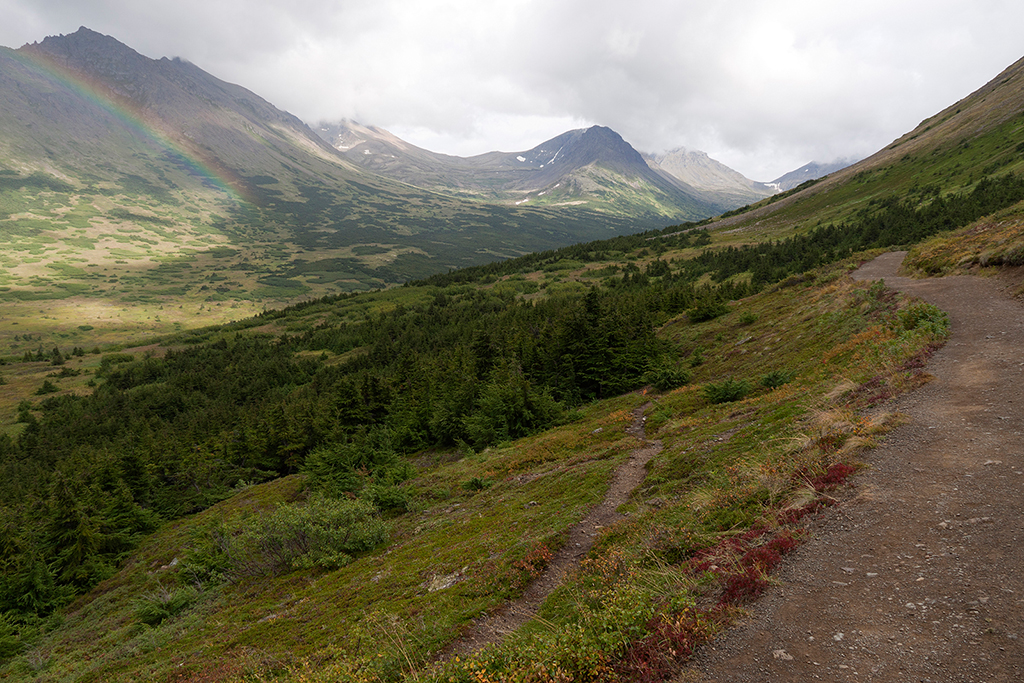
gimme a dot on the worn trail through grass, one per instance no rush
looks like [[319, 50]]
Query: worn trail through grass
[[495, 626], [917, 577]]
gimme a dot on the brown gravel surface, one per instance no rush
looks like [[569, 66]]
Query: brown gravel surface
[[919, 574], [494, 626]]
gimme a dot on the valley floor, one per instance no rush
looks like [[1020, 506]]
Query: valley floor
[[917, 576]]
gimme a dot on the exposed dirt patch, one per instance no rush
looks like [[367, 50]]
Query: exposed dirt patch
[[493, 627], [918, 576]]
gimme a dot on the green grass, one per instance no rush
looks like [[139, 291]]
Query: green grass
[[727, 469], [724, 467]]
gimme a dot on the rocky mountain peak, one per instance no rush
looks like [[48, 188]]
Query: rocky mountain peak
[[88, 48]]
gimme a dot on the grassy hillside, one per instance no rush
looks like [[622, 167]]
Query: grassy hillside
[[970, 140], [335, 490], [486, 520], [147, 195]]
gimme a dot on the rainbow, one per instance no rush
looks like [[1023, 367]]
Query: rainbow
[[184, 155]]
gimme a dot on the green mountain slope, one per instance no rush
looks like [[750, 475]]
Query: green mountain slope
[[334, 491], [977, 137], [145, 182]]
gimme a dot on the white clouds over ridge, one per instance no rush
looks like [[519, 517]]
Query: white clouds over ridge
[[763, 87]]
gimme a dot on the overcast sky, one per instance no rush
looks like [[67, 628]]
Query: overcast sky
[[762, 86]]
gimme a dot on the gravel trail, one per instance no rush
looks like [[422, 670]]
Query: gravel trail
[[919, 576]]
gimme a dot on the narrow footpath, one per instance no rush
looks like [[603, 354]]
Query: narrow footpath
[[493, 627], [920, 576]]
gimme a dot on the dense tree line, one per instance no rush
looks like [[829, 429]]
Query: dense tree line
[[884, 223], [164, 437], [678, 236]]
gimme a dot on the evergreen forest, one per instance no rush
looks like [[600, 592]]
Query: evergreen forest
[[469, 366]]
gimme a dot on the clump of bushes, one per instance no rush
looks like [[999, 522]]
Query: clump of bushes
[[10, 640], [476, 484], [510, 406], [727, 390], [154, 608], [112, 359], [925, 317], [777, 378], [666, 377], [323, 533], [47, 387], [366, 461], [707, 308], [388, 498]]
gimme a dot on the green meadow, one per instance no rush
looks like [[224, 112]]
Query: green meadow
[[270, 442]]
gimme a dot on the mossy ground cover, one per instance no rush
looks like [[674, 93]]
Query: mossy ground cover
[[534, 490], [712, 519]]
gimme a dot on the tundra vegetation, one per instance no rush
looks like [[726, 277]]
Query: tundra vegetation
[[333, 490], [385, 523]]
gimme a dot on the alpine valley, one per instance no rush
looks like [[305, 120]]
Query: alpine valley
[[606, 397], [146, 183]]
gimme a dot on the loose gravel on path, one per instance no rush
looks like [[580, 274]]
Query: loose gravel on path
[[919, 576]]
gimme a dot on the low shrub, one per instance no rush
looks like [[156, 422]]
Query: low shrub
[[388, 497], [114, 359], [777, 378], [47, 387], [10, 640], [726, 391], [926, 317], [342, 468], [323, 532], [666, 378], [154, 608], [476, 484], [706, 309]]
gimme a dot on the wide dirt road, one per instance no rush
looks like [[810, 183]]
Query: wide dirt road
[[920, 577]]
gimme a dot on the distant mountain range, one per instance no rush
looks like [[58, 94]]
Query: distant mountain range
[[587, 166], [811, 171], [98, 142], [593, 167], [711, 177]]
